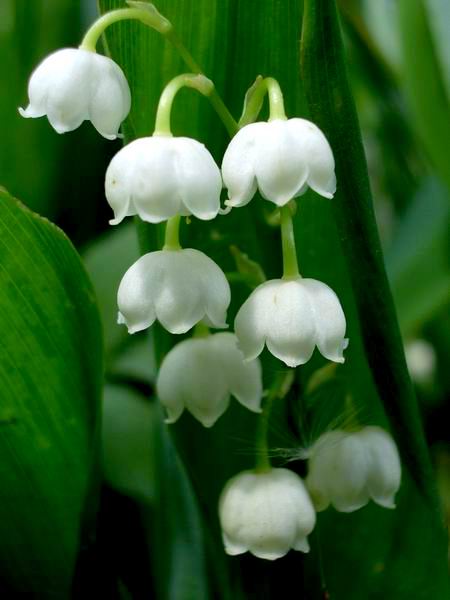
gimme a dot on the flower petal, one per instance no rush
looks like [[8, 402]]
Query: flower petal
[[233, 548], [213, 286], [319, 156], [190, 376], [136, 290], [178, 300], [110, 99], [238, 165], [301, 544], [329, 319], [141, 174], [244, 379], [384, 475], [251, 324], [338, 469], [290, 327], [280, 163], [68, 75], [199, 180]]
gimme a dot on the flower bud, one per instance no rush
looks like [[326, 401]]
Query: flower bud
[[347, 469], [291, 317], [421, 360], [266, 514], [159, 177], [281, 158], [201, 374], [177, 287], [74, 85]]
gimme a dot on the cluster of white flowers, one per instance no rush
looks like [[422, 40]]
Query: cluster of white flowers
[[162, 178], [271, 512]]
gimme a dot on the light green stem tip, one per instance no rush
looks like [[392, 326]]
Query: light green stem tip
[[141, 11], [280, 387], [195, 81], [290, 264], [254, 100], [172, 237]]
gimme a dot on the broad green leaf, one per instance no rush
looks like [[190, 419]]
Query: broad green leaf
[[427, 96], [106, 261], [332, 107], [438, 14], [129, 426], [417, 260], [140, 460], [51, 372], [382, 20], [31, 155]]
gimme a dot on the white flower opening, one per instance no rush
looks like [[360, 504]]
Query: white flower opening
[[75, 85], [281, 158], [266, 514], [177, 287], [292, 317], [200, 374], [347, 469], [160, 177]]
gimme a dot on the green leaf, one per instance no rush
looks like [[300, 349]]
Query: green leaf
[[31, 146], [106, 261], [140, 460], [332, 107], [51, 372], [438, 14], [417, 263], [424, 86]]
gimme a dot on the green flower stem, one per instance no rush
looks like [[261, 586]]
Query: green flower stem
[[216, 101], [172, 237], [255, 97], [262, 439], [290, 264], [201, 330], [148, 16], [192, 80], [276, 102], [279, 389]]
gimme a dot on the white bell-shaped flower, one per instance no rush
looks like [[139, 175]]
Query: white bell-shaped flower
[[74, 85], [177, 287], [281, 158], [159, 177], [266, 514], [200, 374], [292, 316], [347, 469]]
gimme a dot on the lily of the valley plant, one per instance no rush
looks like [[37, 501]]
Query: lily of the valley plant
[[160, 179]]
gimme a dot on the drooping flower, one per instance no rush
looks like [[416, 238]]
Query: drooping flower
[[421, 360], [347, 469], [292, 316], [200, 374], [177, 287], [74, 85], [266, 514], [159, 177], [281, 158]]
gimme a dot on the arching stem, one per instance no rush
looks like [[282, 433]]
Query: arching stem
[[172, 237], [290, 264]]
